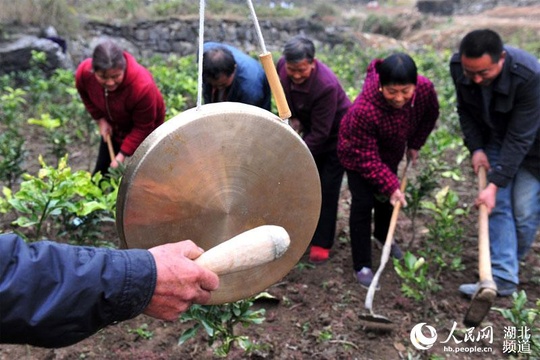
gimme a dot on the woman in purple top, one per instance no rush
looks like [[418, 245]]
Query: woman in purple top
[[395, 112], [317, 102]]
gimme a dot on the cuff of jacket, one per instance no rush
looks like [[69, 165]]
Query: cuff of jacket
[[388, 187], [139, 284], [498, 177]]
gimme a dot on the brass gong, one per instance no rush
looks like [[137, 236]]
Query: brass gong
[[213, 172]]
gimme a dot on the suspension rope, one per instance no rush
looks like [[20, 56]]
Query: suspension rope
[[201, 50], [257, 26], [271, 74], [202, 5], [265, 57]]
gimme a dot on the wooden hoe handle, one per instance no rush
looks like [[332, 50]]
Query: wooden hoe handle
[[484, 258], [387, 243], [110, 146], [275, 85], [397, 207], [486, 293], [249, 249]]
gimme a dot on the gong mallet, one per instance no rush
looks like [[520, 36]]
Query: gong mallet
[[486, 293], [249, 249]]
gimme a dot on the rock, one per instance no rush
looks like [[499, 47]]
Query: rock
[[437, 7], [17, 55]]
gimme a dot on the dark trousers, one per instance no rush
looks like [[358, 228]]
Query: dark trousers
[[103, 161], [364, 202], [331, 176]]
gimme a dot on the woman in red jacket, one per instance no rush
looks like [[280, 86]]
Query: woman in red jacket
[[121, 95], [394, 114]]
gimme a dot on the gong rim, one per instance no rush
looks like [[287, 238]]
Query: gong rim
[[213, 172]]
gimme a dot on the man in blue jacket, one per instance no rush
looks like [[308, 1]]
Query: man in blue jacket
[[498, 95], [54, 295], [231, 75]]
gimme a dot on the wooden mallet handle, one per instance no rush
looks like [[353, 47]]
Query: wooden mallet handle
[[249, 249]]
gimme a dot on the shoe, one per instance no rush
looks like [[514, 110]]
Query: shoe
[[395, 252], [318, 255], [504, 288], [365, 277]]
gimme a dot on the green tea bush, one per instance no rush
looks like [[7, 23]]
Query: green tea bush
[[12, 143], [219, 322], [443, 244], [176, 78], [416, 282], [48, 203], [11, 106], [11, 156], [526, 323]]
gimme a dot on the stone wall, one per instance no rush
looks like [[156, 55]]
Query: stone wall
[[180, 35], [466, 7]]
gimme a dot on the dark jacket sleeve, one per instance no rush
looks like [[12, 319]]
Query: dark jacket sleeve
[[471, 125], [54, 295]]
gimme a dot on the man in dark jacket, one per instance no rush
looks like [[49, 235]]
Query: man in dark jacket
[[498, 94], [231, 75], [317, 102], [54, 295]]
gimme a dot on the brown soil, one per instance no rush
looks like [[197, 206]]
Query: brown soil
[[315, 300], [445, 32]]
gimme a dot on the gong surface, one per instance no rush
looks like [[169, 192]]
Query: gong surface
[[211, 173]]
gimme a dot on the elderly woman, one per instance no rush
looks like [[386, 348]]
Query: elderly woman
[[395, 112], [317, 102], [121, 95]]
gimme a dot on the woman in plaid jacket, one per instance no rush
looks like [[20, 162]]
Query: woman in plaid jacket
[[395, 112]]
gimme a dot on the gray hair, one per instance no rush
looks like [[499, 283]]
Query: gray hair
[[299, 48]]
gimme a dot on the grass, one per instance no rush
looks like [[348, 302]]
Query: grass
[[64, 14]]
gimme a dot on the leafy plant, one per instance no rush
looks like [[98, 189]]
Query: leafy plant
[[86, 228], [443, 242], [304, 265], [414, 272], [219, 322], [58, 140], [11, 102], [177, 80], [56, 193], [11, 156], [57, 104], [443, 144], [142, 332], [417, 190], [325, 334], [525, 320]]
